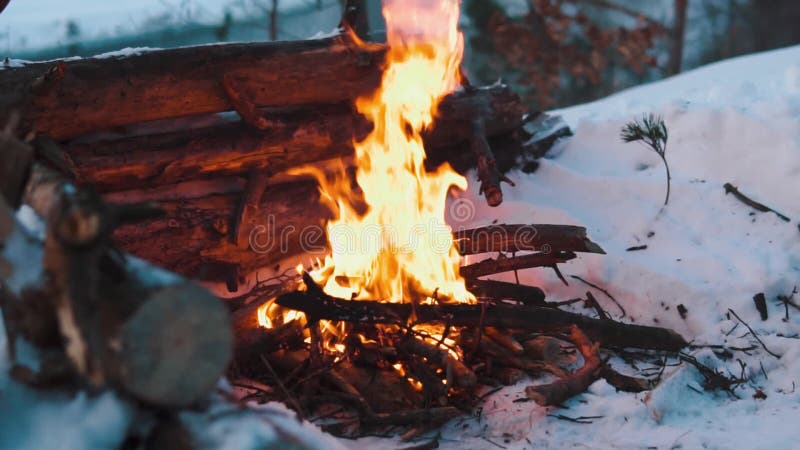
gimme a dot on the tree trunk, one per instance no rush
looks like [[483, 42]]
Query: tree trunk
[[677, 37]]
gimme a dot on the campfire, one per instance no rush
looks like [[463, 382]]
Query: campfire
[[387, 329]]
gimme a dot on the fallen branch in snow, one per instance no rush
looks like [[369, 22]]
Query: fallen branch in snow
[[731, 189], [607, 294], [755, 335], [577, 382], [713, 379], [625, 383]]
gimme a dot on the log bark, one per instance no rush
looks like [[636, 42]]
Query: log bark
[[318, 305], [192, 237], [501, 290], [122, 323], [514, 238], [507, 264], [304, 136], [109, 92]]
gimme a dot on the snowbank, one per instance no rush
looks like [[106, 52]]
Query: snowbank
[[736, 121]]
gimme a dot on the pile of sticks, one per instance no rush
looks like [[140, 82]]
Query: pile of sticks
[[407, 368]]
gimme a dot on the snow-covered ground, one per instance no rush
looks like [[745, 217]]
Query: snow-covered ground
[[736, 121]]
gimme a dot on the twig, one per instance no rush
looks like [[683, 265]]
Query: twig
[[289, 397], [755, 335], [559, 274], [731, 189], [581, 419], [607, 294], [492, 442], [714, 380], [592, 301]]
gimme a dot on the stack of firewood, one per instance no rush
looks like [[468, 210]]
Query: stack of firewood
[[156, 126]]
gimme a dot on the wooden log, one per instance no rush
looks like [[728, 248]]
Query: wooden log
[[318, 305], [543, 348], [514, 238], [507, 264], [14, 170], [305, 136], [104, 93], [122, 323], [192, 237], [501, 290], [577, 382], [461, 374]]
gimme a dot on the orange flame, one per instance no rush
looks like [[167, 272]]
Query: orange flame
[[396, 246]]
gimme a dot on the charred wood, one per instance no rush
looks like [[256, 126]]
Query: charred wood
[[531, 318]]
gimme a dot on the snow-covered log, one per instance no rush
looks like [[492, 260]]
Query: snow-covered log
[[99, 316]]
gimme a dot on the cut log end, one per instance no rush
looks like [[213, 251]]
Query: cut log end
[[175, 346]]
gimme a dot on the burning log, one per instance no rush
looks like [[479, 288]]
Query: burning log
[[317, 305], [195, 236], [162, 340], [461, 374], [304, 136]]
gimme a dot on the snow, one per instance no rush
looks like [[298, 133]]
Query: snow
[[32, 25], [735, 121]]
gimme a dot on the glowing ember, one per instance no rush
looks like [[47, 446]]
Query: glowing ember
[[398, 247]]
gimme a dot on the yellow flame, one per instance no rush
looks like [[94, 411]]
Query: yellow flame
[[389, 240]]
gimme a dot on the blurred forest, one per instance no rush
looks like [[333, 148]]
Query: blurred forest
[[555, 52]]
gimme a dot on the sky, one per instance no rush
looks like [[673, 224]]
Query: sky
[[34, 24]]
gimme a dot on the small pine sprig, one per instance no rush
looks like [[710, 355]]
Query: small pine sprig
[[651, 131]]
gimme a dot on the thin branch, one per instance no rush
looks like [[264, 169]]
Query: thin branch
[[755, 335]]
